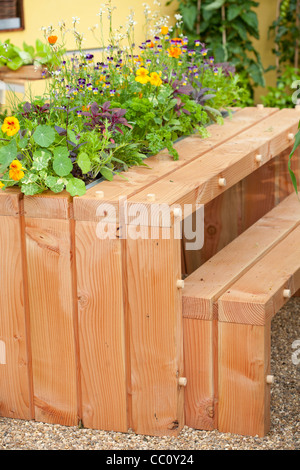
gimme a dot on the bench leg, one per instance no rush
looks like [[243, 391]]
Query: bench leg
[[199, 363], [244, 363]]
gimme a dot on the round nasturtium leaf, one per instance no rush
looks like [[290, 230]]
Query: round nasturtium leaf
[[76, 187], [44, 135], [62, 165]]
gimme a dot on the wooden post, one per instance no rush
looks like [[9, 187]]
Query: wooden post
[[244, 363], [16, 395], [156, 344], [50, 271], [101, 328]]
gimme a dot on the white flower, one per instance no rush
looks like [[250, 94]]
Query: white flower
[[178, 17]]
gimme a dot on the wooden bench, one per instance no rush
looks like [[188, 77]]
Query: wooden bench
[[228, 305]]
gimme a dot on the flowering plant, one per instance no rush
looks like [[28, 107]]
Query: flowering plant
[[102, 115]]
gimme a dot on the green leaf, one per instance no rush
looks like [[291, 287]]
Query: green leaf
[[31, 189], [8, 153], [41, 159], [214, 5], [62, 165], [61, 151], [292, 174], [250, 19], [76, 187], [189, 14], [233, 11], [107, 173], [84, 162], [23, 143], [15, 63], [44, 135], [55, 184]]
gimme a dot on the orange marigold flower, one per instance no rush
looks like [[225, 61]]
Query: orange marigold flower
[[52, 40], [16, 172], [175, 52], [164, 30], [10, 125], [155, 79]]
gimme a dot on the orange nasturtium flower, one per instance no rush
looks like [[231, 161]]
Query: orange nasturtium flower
[[142, 75], [52, 40], [10, 126], [164, 30], [16, 172], [174, 52]]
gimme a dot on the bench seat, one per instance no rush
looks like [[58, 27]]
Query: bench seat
[[228, 305]]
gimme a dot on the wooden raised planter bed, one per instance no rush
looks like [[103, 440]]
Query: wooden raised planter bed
[[92, 329]]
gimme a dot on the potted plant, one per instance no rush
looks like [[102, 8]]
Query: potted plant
[[28, 62]]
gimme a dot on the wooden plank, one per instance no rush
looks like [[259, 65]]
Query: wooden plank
[[258, 295], [154, 306], [204, 286], [49, 205], [244, 363], [199, 370], [101, 330], [51, 302], [233, 161], [16, 399], [162, 165], [15, 392]]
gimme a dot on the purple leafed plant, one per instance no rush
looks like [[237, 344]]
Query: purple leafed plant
[[99, 115]]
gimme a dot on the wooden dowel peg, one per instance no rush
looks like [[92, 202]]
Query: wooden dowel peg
[[291, 136], [260, 106], [270, 379], [180, 284], [100, 194], [222, 182], [151, 197], [182, 381], [287, 293], [258, 158], [177, 212]]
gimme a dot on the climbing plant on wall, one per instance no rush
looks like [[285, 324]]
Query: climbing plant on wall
[[228, 28], [285, 32]]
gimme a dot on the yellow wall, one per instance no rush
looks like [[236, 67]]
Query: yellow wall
[[40, 13], [266, 12]]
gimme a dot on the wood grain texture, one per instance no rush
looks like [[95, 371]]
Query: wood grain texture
[[244, 363], [204, 286], [15, 364], [156, 344], [258, 295], [50, 291], [200, 391], [101, 330]]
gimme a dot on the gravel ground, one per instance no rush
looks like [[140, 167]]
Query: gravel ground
[[285, 427]]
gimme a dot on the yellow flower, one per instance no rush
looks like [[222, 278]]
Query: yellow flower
[[164, 30], [10, 125], [15, 172], [142, 75], [1, 185], [155, 79]]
